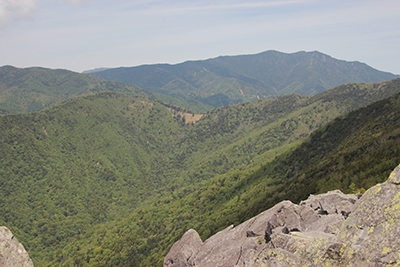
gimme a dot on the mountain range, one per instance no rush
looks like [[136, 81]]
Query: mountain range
[[114, 179], [97, 172], [234, 79]]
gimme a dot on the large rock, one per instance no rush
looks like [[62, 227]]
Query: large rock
[[12, 253], [329, 229], [372, 233], [182, 251]]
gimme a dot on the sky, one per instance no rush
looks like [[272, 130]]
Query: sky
[[81, 35]]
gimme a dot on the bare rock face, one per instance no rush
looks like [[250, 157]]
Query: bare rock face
[[182, 251], [372, 233], [332, 229], [12, 253]]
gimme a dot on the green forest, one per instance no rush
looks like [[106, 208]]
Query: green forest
[[114, 179]]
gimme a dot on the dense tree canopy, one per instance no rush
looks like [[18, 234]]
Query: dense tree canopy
[[115, 179]]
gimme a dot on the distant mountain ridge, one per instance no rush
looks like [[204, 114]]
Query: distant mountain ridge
[[32, 89], [94, 70], [234, 79]]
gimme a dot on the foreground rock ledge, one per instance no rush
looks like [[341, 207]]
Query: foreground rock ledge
[[332, 229], [12, 253]]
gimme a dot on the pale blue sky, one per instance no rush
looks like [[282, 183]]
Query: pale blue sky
[[85, 34]]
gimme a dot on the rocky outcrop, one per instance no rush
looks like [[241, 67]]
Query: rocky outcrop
[[332, 229], [12, 253], [184, 249]]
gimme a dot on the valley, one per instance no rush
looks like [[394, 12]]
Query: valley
[[95, 172], [109, 174]]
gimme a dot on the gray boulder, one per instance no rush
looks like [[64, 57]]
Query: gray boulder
[[182, 251], [371, 232], [332, 229], [240, 245], [12, 253]]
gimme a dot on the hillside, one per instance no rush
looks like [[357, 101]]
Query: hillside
[[234, 79], [239, 195], [115, 178], [353, 152], [250, 188], [32, 89]]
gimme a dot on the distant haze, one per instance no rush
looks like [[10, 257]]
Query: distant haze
[[80, 34]]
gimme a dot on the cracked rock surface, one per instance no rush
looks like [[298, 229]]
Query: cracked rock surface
[[12, 253], [329, 229]]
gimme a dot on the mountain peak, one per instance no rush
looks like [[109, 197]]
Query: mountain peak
[[234, 79]]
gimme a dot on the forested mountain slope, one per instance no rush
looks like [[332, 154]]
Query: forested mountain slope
[[32, 89], [234, 79], [229, 136], [82, 162], [114, 179], [351, 153]]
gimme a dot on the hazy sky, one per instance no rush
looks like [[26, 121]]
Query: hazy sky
[[80, 35]]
